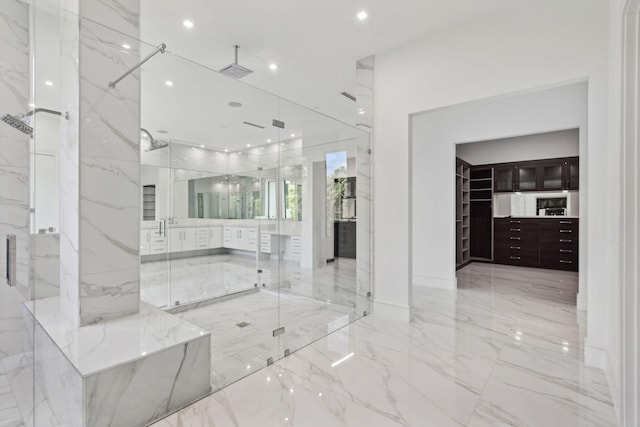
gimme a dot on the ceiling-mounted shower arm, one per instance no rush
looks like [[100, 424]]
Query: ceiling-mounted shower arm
[[236, 47], [161, 48]]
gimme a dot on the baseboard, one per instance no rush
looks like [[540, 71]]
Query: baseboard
[[435, 282], [614, 386], [581, 301], [595, 356], [389, 310]]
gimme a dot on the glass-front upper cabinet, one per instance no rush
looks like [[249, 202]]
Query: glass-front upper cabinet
[[552, 177], [572, 173], [504, 179], [527, 178]]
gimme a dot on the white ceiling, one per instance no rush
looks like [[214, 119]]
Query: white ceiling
[[314, 43]]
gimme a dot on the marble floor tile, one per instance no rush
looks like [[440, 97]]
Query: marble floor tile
[[504, 350]]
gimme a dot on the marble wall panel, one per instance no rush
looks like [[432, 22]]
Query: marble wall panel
[[44, 276]]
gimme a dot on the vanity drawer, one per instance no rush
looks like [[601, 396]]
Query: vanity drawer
[[296, 245]]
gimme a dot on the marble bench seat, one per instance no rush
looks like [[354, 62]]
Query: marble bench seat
[[124, 372]]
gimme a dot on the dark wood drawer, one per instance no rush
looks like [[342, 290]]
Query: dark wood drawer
[[516, 224], [511, 258], [559, 262]]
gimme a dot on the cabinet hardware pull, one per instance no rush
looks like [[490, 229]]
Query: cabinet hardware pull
[[514, 257], [566, 222], [515, 222], [565, 231], [514, 238], [514, 247], [565, 240], [566, 250], [514, 229], [564, 261]]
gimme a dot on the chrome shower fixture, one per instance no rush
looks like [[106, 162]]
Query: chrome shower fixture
[[21, 121], [18, 124], [236, 70], [160, 49], [154, 144]]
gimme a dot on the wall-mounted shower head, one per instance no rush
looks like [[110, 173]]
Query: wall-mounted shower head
[[21, 121], [18, 124], [154, 144], [236, 70]]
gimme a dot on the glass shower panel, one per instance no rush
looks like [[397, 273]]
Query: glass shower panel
[[321, 161], [216, 131]]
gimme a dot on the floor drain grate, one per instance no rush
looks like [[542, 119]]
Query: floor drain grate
[[242, 324]]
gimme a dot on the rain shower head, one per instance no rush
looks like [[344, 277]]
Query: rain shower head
[[154, 144], [21, 121], [236, 70], [18, 124]]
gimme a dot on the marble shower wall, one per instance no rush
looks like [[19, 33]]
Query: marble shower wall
[[14, 169], [101, 154]]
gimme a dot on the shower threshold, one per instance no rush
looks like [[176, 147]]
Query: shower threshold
[[204, 302]]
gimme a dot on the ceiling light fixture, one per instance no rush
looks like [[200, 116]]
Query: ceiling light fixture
[[362, 15], [126, 46], [293, 135], [187, 24], [48, 83], [268, 140], [273, 66], [248, 145], [169, 83], [201, 145], [226, 150], [361, 112]]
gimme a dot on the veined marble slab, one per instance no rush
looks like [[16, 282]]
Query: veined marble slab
[[125, 372], [94, 348]]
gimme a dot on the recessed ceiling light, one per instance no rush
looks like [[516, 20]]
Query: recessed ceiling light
[[248, 145], [169, 83], [361, 112], [226, 150], [201, 145], [126, 46], [32, 105], [48, 83], [235, 104], [262, 148], [282, 143], [187, 23], [268, 140], [293, 135], [193, 148], [273, 66], [362, 15]]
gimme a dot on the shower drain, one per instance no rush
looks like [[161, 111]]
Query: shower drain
[[242, 324]]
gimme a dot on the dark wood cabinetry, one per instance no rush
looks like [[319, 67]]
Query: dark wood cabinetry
[[546, 242], [344, 243], [559, 244], [481, 212], [539, 175]]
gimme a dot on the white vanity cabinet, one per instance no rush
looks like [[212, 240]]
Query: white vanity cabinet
[[152, 242], [271, 243], [242, 238], [208, 237], [182, 239]]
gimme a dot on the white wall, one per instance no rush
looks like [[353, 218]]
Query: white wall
[[546, 145], [516, 48], [433, 138]]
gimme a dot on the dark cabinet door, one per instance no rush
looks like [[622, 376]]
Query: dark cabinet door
[[553, 177], [504, 179], [527, 178], [572, 175], [481, 221]]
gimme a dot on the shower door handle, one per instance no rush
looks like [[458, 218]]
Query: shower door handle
[[11, 259]]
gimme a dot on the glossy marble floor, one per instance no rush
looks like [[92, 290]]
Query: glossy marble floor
[[506, 350], [242, 329], [191, 279]]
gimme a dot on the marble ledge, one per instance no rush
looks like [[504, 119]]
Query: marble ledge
[[98, 347]]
